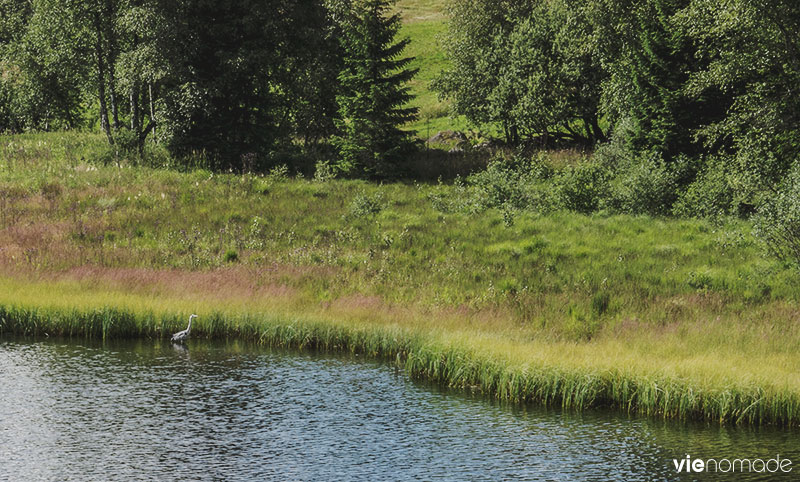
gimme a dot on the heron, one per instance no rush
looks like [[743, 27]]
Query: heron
[[182, 336]]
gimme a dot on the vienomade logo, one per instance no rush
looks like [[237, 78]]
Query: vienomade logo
[[727, 465]]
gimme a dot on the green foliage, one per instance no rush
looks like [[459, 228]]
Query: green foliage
[[645, 187], [503, 183], [676, 79], [750, 49], [324, 172], [279, 173], [231, 256], [373, 97], [777, 223], [529, 67], [713, 193], [583, 187], [650, 59], [364, 204], [231, 81], [508, 184], [41, 74]]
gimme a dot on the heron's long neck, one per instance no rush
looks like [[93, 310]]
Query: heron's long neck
[[190, 325]]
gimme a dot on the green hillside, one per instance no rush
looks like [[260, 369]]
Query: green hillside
[[424, 22]]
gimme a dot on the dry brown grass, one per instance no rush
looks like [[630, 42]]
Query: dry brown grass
[[421, 10], [220, 284]]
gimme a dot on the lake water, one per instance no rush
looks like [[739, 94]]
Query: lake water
[[229, 411]]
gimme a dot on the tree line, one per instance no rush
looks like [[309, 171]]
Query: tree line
[[702, 91], [705, 89], [237, 82]]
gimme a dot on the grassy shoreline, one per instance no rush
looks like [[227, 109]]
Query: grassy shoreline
[[499, 364]]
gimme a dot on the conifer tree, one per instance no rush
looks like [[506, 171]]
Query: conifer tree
[[373, 97]]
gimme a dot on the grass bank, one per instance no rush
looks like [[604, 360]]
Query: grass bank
[[446, 349], [671, 317]]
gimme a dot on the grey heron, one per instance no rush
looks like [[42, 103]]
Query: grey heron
[[182, 336]]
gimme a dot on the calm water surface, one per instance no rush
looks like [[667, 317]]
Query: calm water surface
[[146, 411]]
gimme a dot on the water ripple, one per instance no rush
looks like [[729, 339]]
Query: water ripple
[[145, 411]]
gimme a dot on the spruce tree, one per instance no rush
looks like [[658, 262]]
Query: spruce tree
[[373, 97]]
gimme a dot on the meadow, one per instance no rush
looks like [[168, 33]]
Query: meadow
[[676, 317]]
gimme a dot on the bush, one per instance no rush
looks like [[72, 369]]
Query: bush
[[733, 184], [460, 198], [231, 256], [365, 205], [710, 195], [512, 184], [581, 188], [500, 184], [324, 172], [279, 173], [777, 223], [615, 154], [647, 187]]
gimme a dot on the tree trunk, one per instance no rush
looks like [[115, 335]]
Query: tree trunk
[[599, 135], [143, 137], [152, 110], [511, 132], [134, 98], [112, 62], [101, 80], [113, 96]]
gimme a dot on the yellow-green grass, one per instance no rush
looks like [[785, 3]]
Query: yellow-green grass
[[677, 317], [683, 379]]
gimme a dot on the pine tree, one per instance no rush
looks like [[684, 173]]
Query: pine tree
[[374, 96]]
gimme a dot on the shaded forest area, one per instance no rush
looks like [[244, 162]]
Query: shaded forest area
[[236, 84]]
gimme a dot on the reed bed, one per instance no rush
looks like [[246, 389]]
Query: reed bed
[[459, 360]]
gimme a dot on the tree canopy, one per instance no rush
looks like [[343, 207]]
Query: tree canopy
[[235, 82]]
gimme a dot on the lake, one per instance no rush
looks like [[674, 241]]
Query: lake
[[146, 410]]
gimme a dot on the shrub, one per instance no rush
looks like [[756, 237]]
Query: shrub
[[279, 173], [500, 184], [460, 198], [616, 153], [700, 281], [324, 172], [231, 256], [512, 184], [365, 205], [647, 187], [582, 187], [777, 223], [713, 192]]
